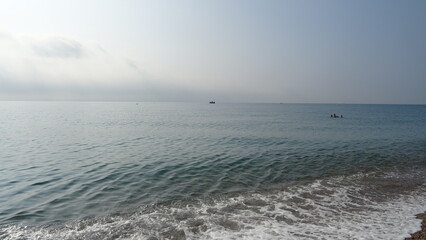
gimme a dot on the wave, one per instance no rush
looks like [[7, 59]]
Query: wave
[[372, 205]]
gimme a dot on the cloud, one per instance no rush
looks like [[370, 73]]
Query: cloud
[[59, 48], [58, 64], [131, 64], [63, 68], [5, 36]]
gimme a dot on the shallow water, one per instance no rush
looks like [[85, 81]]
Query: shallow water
[[76, 170]]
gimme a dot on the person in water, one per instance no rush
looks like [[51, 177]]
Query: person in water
[[336, 116]]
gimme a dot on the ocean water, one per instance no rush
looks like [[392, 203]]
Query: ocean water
[[101, 170]]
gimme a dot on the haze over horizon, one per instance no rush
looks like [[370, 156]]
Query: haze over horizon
[[229, 51]]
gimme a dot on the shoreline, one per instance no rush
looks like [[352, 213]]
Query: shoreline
[[421, 234]]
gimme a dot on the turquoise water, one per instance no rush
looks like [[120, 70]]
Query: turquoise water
[[201, 171]]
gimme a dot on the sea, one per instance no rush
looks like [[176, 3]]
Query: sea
[[145, 170]]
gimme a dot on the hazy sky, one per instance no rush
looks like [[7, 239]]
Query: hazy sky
[[230, 51]]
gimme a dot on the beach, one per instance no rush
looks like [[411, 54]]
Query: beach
[[420, 235]]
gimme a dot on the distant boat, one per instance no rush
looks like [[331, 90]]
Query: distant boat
[[212, 102]]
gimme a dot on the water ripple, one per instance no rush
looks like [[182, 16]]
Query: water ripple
[[61, 163]]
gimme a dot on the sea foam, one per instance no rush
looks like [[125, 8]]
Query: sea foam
[[331, 208]]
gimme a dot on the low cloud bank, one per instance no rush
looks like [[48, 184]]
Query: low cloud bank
[[64, 68]]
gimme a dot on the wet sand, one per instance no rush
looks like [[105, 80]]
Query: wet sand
[[420, 235]]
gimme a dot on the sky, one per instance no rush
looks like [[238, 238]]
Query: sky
[[304, 51]]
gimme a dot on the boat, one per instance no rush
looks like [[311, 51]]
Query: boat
[[212, 102]]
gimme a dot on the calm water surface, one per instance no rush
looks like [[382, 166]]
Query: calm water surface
[[94, 170]]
